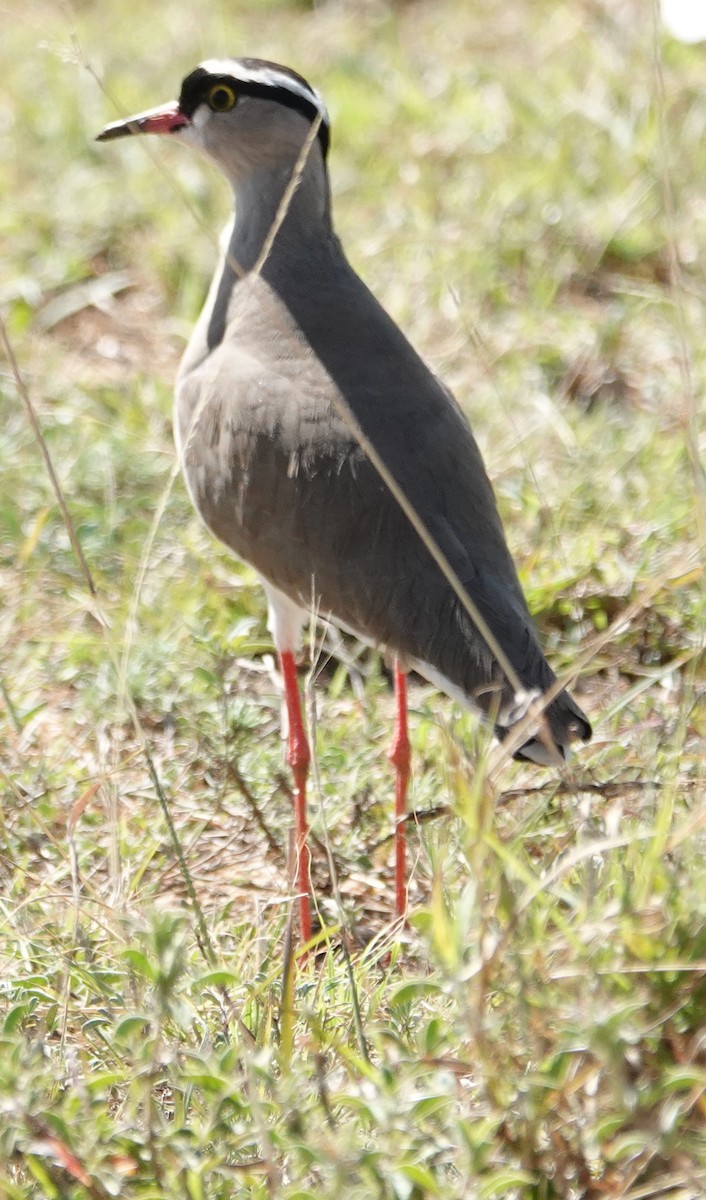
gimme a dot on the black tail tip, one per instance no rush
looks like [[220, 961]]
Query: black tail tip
[[554, 748]]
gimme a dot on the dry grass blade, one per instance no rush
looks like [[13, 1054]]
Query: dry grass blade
[[202, 931], [26, 399], [676, 282]]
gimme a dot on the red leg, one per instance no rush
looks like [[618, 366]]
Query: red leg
[[298, 757], [400, 759]]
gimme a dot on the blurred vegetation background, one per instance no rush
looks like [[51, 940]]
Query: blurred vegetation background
[[522, 184]]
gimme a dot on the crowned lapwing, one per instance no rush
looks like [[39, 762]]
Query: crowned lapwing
[[320, 448]]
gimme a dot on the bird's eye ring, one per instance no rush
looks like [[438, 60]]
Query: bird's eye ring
[[221, 98]]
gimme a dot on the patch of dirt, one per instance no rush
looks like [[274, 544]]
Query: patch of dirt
[[128, 334]]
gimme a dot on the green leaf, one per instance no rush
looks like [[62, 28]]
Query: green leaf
[[428, 1107], [43, 1177], [420, 1176], [414, 989], [218, 978], [500, 1182], [137, 1023], [15, 1017]]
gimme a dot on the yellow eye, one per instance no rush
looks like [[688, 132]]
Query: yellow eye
[[221, 98]]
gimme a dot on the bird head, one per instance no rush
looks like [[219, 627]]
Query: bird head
[[244, 113]]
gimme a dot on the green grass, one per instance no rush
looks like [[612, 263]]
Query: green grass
[[523, 187]]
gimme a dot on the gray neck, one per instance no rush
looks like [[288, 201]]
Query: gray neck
[[257, 200], [304, 227]]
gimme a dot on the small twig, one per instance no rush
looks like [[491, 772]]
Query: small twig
[[287, 1011], [609, 791], [234, 775], [24, 395], [201, 931], [172, 180], [12, 711], [322, 1087]]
